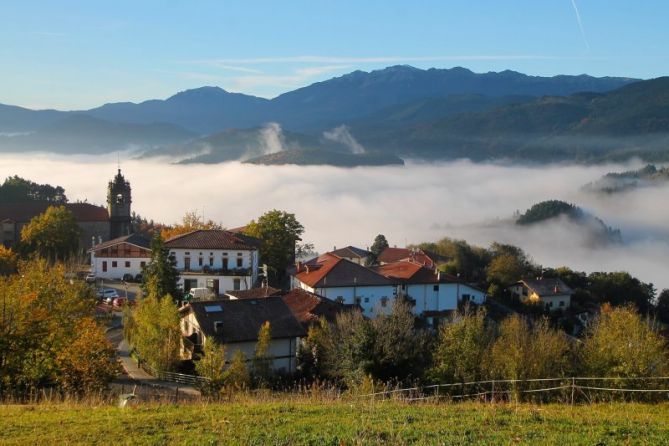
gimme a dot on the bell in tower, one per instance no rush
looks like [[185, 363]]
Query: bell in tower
[[118, 206]]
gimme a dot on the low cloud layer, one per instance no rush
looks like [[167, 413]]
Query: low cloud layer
[[410, 204]]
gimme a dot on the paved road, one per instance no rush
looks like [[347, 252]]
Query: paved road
[[138, 375]]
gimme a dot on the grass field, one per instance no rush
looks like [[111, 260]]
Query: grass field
[[335, 423]]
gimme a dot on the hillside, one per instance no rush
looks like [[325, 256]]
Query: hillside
[[614, 182], [321, 105], [78, 133], [310, 157], [559, 211], [633, 120], [242, 144], [318, 422]]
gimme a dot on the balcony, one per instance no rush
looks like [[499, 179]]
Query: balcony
[[209, 271]]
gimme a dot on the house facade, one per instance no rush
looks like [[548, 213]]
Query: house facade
[[432, 293], [123, 255], [236, 323], [216, 259], [553, 294], [375, 288], [346, 282]]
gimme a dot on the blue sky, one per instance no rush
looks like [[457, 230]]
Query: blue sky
[[80, 54]]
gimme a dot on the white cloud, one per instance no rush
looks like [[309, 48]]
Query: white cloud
[[418, 202]]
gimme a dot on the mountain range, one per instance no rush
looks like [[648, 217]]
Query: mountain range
[[397, 111]]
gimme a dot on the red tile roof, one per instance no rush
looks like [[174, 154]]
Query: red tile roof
[[213, 239], [309, 307], [332, 271], [133, 239], [411, 272], [25, 211]]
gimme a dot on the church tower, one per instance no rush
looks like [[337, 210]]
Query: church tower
[[118, 205]]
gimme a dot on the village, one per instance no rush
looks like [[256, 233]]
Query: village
[[224, 294]]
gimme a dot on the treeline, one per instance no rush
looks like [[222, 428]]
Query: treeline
[[48, 333], [500, 265], [472, 347], [16, 189]]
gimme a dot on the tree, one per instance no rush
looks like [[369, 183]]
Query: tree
[[212, 366], [88, 362], [160, 276], [52, 235], [237, 375], [156, 333], [462, 348], [16, 189], [8, 261], [380, 243], [663, 306], [523, 352], [262, 361], [400, 350], [315, 353], [505, 270], [622, 343], [278, 232], [190, 222], [620, 288], [354, 347], [40, 315]]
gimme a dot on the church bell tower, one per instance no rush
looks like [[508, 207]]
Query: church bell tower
[[118, 206]]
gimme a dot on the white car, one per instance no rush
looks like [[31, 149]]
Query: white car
[[107, 294]]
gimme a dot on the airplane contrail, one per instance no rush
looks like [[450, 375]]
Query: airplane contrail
[[580, 25]]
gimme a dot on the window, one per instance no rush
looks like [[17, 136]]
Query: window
[[366, 300], [339, 299], [237, 284], [384, 301], [104, 266], [114, 264], [225, 263], [127, 263], [357, 300], [524, 291], [562, 303], [211, 261], [186, 263], [239, 254], [435, 288], [240, 262], [142, 264], [199, 261]]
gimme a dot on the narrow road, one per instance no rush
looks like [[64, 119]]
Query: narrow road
[[139, 375]]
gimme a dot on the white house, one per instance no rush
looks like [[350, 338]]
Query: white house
[[216, 259], [236, 323], [346, 282], [123, 255], [355, 255], [554, 294], [434, 294]]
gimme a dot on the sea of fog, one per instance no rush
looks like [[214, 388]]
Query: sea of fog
[[410, 204]]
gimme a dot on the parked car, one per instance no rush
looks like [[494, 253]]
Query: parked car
[[107, 295], [127, 277], [120, 301], [138, 278], [90, 278]]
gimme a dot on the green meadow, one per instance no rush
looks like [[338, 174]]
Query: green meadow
[[335, 423]]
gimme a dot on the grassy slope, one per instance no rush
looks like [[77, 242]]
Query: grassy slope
[[336, 423]]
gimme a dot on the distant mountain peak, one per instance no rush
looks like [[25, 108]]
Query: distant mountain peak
[[206, 91]]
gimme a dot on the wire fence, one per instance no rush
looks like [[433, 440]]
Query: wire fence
[[564, 389]]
